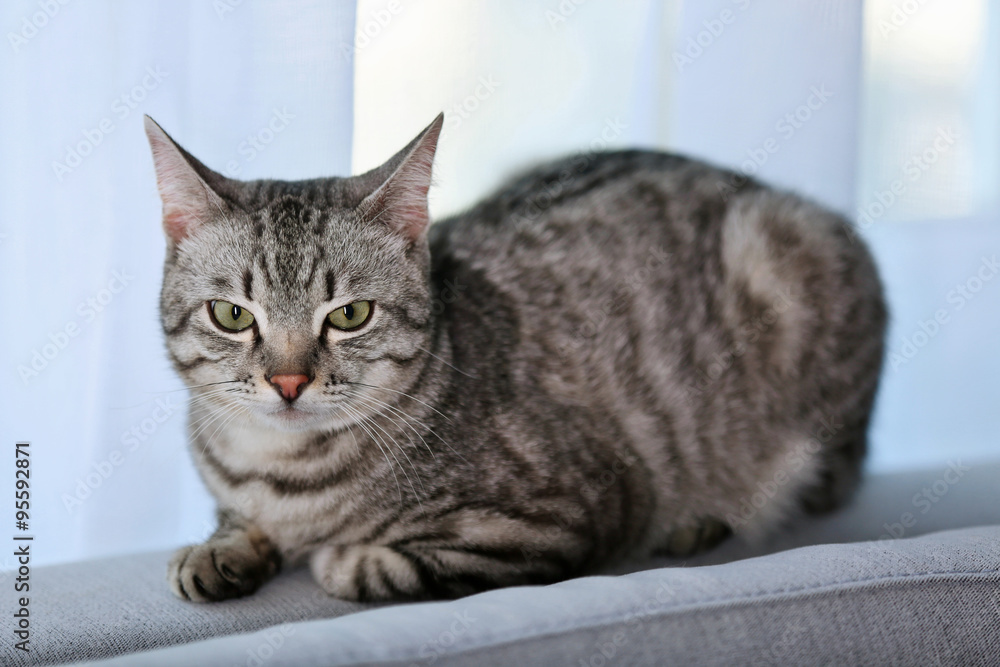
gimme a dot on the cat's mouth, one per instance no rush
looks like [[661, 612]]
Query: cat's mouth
[[290, 416], [292, 413]]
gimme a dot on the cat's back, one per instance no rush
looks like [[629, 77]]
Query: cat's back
[[714, 324], [694, 305], [575, 198], [619, 226]]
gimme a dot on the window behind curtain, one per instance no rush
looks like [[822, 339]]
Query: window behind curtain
[[930, 143]]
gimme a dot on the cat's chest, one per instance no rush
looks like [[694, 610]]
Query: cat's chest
[[295, 522], [295, 501]]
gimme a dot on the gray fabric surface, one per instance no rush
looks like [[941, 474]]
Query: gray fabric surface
[[933, 599], [956, 494], [115, 607], [112, 607]]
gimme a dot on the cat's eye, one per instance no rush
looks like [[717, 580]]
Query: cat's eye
[[230, 316], [351, 316]]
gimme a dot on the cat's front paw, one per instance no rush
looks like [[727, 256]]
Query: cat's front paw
[[222, 568]]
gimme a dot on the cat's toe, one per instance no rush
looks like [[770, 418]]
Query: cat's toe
[[174, 571], [211, 572]]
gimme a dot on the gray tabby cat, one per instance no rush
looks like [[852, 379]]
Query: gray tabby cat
[[616, 355]]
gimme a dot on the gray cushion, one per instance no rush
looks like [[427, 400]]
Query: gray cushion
[[912, 601], [119, 606]]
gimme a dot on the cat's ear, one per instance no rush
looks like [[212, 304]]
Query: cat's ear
[[188, 200], [400, 200]]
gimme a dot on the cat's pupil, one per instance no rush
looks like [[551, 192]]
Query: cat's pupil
[[349, 312], [237, 311]]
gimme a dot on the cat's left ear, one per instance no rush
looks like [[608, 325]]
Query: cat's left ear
[[401, 200]]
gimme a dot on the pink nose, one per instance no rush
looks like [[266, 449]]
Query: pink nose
[[289, 384]]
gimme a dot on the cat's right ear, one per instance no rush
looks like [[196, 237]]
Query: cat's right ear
[[400, 201], [188, 200]]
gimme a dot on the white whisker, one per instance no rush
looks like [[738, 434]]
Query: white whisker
[[364, 419], [360, 423], [402, 450], [402, 393], [447, 364], [374, 401], [399, 411]]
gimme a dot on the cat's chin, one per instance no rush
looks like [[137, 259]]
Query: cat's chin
[[294, 419]]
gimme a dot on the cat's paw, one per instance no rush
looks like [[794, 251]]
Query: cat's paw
[[222, 568], [689, 540]]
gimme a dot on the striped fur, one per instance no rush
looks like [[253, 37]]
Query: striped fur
[[614, 355]]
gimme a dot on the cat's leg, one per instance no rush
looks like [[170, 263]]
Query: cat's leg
[[841, 461], [689, 540], [413, 571], [837, 478], [234, 562]]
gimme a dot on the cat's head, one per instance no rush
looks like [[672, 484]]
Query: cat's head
[[289, 301]]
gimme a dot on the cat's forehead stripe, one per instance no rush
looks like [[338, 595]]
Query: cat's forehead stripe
[[312, 269], [261, 261], [330, 284], [248, 284]]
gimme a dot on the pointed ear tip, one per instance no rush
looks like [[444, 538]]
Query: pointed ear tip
[[433, 131], [153, 129]]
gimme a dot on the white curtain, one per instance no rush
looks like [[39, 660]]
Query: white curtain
[[815, 95], [258, 89], [832, 98]]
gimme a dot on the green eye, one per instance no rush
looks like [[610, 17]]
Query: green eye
[[231, 317], [351, 316]]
